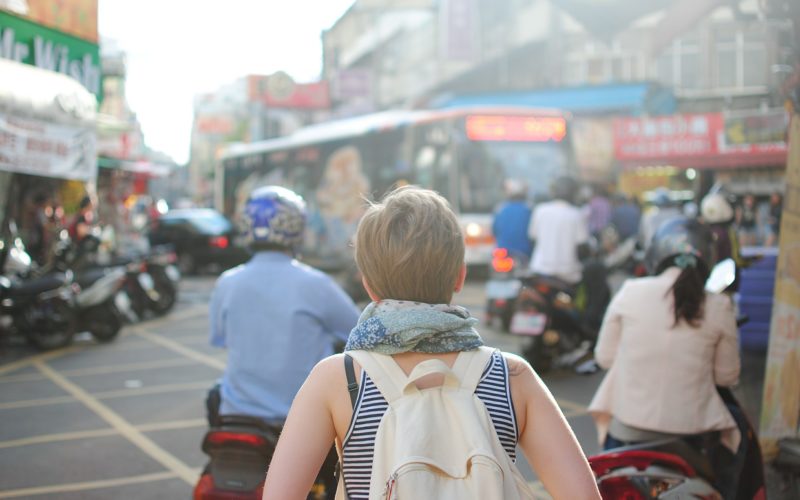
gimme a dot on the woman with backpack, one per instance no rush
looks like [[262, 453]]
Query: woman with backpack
[[417, 406]]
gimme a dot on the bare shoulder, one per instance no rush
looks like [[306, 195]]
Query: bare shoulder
[[517, 365]]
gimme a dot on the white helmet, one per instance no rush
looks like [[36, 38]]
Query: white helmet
[[515, 188], [715, 209]]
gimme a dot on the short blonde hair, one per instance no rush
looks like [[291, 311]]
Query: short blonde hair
[[410, 247]]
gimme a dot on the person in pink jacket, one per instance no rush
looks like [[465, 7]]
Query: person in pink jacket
[[667, 344]]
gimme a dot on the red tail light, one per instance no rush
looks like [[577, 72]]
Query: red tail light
[[219, 242], [619, 488], [205, 490], [501, 262], [639, 459], [221, 437], [172, 257]]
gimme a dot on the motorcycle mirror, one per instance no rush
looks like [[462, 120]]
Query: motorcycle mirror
[[721, 277]]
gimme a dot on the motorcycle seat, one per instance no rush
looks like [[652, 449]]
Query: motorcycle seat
[[90, 276], [676, 446], [39, 285]]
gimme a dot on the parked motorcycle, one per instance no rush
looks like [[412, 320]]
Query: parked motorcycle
[[42, 308], [239, 450], [102, 304], [504, 286], [162, 266]]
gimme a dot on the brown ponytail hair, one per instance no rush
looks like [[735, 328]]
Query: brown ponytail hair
[[688, 290]]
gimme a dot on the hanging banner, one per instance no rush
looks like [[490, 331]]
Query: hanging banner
[[780, 411], [38, 148]]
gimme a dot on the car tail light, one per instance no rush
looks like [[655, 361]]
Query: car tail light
[[219, 242], [206, 490], [501, 262], [222, 437]]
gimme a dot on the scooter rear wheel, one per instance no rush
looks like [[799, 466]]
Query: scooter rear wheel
[[105, 324]]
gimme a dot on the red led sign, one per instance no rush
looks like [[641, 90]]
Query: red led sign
[[516, 128]]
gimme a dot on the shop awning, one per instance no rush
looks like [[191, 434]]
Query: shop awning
[[137, 167], [46, 123], [30, 92], [633, 99]]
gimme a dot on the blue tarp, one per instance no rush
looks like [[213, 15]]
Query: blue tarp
[[634, 99]]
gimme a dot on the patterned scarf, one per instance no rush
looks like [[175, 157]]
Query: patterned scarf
[[395, 326]]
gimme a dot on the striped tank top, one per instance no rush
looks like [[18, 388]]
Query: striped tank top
[[359, 444]]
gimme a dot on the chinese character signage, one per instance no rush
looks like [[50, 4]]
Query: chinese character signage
[[700, 140]]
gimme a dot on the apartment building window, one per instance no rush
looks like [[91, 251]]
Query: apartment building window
[[679, 64], [741, 56]]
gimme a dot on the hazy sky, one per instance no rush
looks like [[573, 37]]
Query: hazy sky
[[179, 48]]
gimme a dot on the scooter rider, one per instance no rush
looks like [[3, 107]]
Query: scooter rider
[[667, 344], [276, 317], [510, 224], [561, 234]]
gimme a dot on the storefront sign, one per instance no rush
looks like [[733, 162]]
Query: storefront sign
[[279, 91], [693, 140], [38, 148], [780, 414], [76, 17], [26, 42], [756, 128]]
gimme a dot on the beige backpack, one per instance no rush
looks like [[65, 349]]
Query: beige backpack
[[439, 442]]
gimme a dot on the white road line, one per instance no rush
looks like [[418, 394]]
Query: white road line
[[88, 485], [181, 349], [127, 430]]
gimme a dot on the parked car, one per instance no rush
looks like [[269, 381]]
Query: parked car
[[202, 238]]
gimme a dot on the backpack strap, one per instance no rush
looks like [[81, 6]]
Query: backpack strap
[[352, 385], [387, 375], [470, 365]]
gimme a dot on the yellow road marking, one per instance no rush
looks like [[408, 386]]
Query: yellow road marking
[[116, 394], [127, 430], [88, 485], [31, 403], [155, 389], [53, 438], [571, 405], [173, 425], [102, 370], [45, 356], [182, 349], [78, 435]]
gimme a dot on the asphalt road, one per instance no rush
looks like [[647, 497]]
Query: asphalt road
[[125, 419]]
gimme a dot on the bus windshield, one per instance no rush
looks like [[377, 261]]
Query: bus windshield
[[487, 164]]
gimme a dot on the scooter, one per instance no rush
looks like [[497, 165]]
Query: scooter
[[102, 304], [239, 450], [504, 286], [547, 312], [42, 308], [161, 264], [671, 468]]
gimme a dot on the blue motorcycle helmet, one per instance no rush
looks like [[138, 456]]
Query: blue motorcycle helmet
[[275, 218]]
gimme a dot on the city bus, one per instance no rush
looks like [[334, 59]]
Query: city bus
[[464, 154]]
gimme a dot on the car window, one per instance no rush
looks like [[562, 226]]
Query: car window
[[211, 223]]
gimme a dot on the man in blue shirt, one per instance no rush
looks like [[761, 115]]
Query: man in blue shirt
[[510, 225], [276, 317]]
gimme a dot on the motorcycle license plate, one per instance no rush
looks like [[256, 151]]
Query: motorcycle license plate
[[172, 273], [146, 281], [525, 323], [503, 289]]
